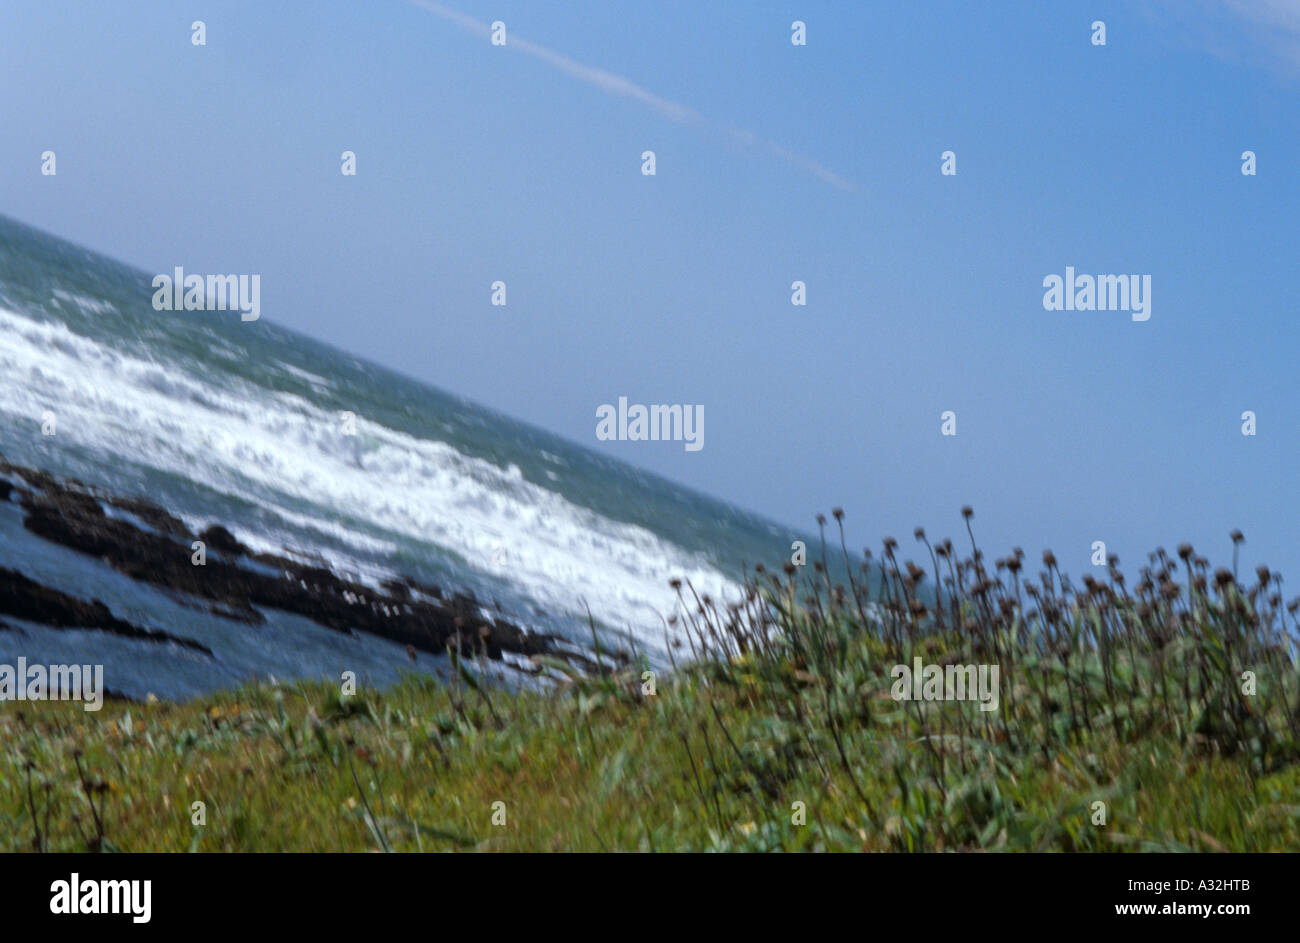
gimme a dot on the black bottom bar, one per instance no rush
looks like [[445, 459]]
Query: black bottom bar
[[946, 893]]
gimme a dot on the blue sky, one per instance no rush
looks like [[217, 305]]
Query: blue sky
[[478, 163]]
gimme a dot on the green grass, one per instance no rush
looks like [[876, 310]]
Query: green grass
[[1132, 699]]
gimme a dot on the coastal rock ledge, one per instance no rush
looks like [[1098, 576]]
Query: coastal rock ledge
[[147, 543]]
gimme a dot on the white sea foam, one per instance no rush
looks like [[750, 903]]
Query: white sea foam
[[312, 378], [86, 304], [246, 441]]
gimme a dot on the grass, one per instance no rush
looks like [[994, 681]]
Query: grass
[[1130, 698]]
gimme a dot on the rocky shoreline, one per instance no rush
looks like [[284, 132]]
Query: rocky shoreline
[[29, 600], [149, 544]]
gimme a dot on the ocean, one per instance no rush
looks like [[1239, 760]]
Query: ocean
[[240, 424]]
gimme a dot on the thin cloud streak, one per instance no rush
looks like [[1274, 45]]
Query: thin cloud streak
[[617, 85], [1260, 33]]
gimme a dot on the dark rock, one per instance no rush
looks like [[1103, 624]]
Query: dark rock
[[221, 540], [152, 515], [72, 514], [27, 599]]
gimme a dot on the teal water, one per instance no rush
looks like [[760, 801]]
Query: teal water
[[240, 423]]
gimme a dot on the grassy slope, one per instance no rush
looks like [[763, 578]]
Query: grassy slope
[[592, 768], [1131, 700]]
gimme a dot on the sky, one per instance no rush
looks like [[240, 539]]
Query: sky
[[774, 163]]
